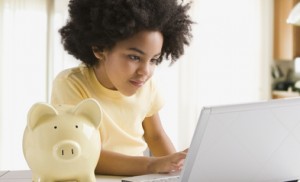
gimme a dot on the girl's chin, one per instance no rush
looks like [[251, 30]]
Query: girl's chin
[[129, 92]]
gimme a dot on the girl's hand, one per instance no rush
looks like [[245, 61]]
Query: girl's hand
[[168, 164]]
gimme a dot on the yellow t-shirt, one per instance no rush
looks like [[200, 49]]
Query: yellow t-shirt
[[121, 129]]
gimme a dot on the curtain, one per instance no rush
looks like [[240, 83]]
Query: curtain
[[22, 72], [31, 55], [58, 58]]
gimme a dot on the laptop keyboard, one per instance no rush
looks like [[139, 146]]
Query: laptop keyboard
[[164, 179], [153, 178]]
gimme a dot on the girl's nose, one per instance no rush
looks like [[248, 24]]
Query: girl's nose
[[145, 68]]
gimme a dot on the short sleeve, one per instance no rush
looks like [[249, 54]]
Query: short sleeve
[[66, 90], [157, 101]]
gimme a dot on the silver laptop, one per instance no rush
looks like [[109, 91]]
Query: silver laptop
[[252, 142]]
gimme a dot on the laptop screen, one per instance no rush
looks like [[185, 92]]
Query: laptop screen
[[246, 142]]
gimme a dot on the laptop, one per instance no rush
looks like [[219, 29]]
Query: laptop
[[251, 142]]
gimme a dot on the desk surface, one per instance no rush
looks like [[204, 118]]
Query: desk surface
[[25, 176]]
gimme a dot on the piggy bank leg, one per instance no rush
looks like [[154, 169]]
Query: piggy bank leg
[[38, 178], [88, 178]]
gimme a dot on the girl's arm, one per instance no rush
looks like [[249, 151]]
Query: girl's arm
[[165, 158], [112, 163], [155, 136]]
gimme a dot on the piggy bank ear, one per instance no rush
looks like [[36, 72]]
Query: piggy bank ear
[[38, 112], [91, 109]]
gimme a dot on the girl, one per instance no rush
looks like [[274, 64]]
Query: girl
[[120, 43]]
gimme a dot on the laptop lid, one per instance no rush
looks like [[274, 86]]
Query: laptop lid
[[252, 142]]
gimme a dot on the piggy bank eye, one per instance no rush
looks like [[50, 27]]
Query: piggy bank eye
[[55, 127], [76, 126]]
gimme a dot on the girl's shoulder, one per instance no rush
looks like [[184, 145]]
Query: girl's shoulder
[[74, 72]]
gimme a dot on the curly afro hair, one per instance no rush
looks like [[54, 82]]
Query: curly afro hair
[[103, 23]]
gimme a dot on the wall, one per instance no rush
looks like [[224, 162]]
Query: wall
[[228, 61]]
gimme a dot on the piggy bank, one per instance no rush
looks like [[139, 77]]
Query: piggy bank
[[63, 143]]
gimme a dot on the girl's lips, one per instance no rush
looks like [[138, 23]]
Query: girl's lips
[[137, 83]]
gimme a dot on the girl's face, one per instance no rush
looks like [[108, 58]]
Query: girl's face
[[130, 63]]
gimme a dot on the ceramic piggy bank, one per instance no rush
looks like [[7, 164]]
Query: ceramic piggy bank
[[63, 143]]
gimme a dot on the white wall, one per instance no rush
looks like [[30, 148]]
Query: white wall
[[228, 61]]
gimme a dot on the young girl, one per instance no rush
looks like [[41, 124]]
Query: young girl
[[120, 43]]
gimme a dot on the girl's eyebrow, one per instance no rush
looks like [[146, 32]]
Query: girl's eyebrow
[[140, 51], [137, 50]]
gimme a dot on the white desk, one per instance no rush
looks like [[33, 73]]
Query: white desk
[[25, 176]]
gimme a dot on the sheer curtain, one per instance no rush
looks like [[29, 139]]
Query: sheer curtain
[[22, 72], [58, 58], [30, 57]]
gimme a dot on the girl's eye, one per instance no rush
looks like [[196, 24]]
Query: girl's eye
[[134, 58], [155, 61]]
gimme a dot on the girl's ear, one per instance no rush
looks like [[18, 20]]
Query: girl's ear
[[97, 53], [95, 49]]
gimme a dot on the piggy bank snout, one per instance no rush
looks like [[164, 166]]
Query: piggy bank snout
[[67, 150]]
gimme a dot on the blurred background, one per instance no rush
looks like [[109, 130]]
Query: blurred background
[[242, 51]]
